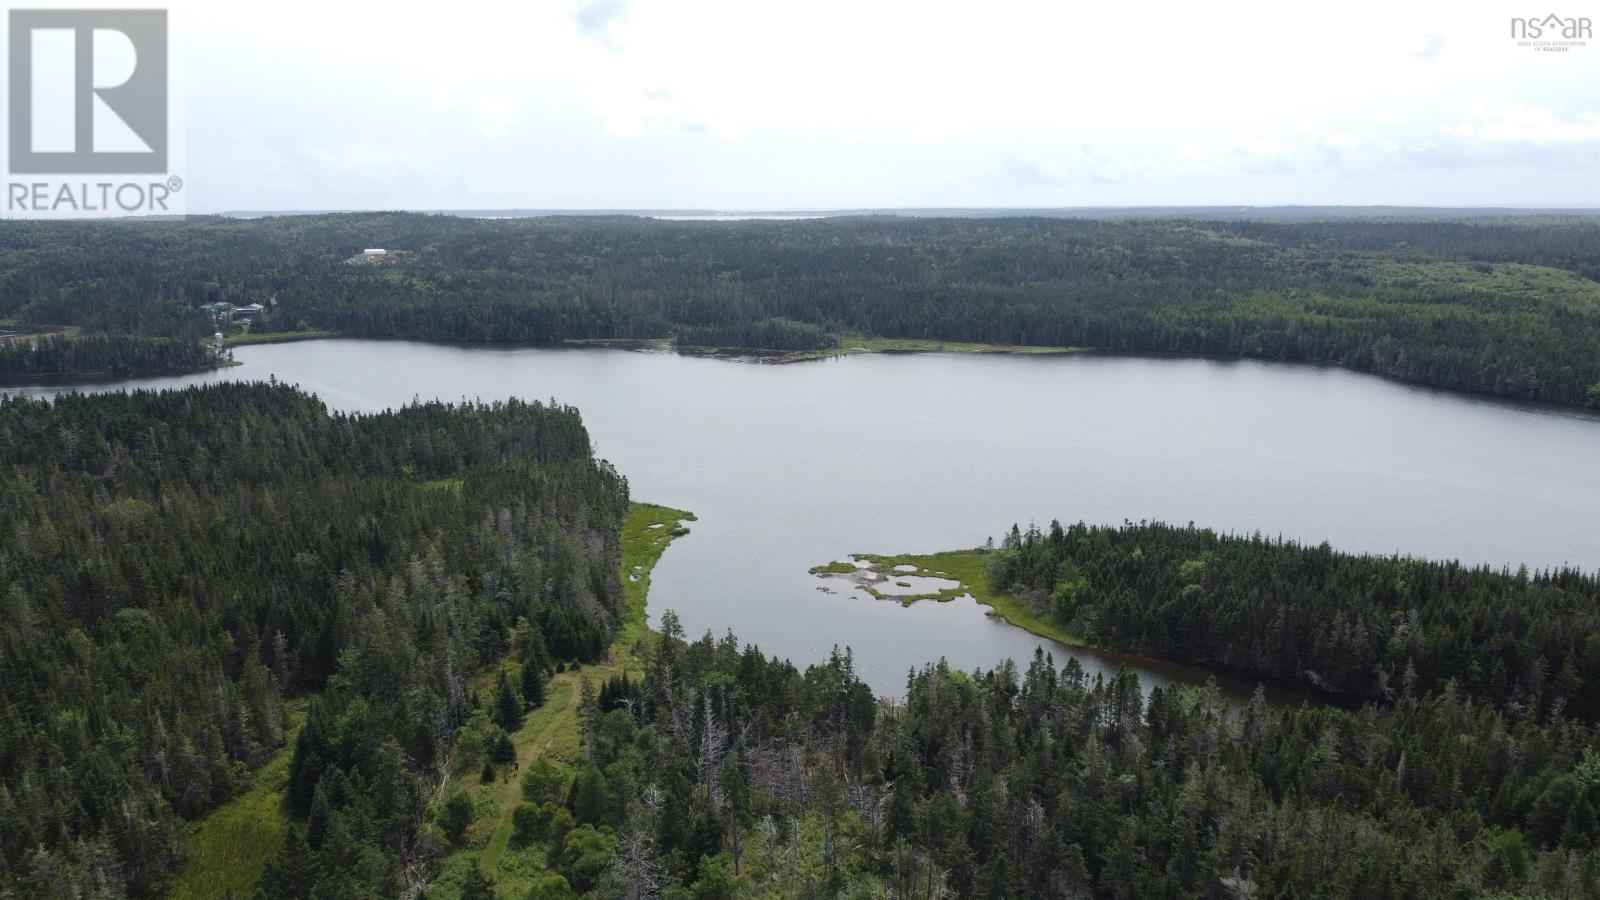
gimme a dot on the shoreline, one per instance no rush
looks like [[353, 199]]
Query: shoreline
[[72, 379], [858, 347], [277, 337], [855, 345], [648, 531], [967, 567], [912, 346], [553, 730]]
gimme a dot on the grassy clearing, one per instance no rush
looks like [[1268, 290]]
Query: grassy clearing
[[231, 844], [858, 344], [276, 337], [969, 567], [833, 568], [645, 535], [552, 729], [847, 344], [914, 345], [47, 332], [622, 343], [452, 485]]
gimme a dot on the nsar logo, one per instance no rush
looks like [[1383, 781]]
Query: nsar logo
[[1552, 33]]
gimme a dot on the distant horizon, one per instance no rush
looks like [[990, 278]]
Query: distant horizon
[[756, 211]]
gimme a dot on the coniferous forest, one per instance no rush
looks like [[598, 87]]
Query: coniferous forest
[[1367, 626], [176, 565], [100, 356], [1508, 306], [721, 774]]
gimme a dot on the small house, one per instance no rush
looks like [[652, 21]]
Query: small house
[[377, 256]]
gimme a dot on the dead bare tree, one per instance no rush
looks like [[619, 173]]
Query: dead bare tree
[[871, 805], [638, 870], [714, 743], [680, 715]]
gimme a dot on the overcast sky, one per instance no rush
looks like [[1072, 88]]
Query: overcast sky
[[769, 104]]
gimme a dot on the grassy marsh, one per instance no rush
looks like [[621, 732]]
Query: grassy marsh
[[969, 569]]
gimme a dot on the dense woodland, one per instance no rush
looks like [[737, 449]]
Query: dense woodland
[[724, 774], [1506, 306], [760, 334], [99, 356], [174, 565], [1371, 626]]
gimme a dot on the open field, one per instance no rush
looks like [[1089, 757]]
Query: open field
[[231, 845]]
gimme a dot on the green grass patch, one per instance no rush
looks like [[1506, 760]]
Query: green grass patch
[[862, 344], [919, 345], [970, 568], [552, 729], [230, 845], [645, 535], [847, 344], [833, 568], [622, 343], [276, 337]]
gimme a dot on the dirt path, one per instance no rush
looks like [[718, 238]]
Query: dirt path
[[561, 711], [552, 729]]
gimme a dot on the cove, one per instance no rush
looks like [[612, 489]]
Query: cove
[[788, 466]]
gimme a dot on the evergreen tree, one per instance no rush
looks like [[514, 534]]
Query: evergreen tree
[[508, 709]]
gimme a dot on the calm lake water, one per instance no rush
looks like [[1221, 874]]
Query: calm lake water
[[789, 466]]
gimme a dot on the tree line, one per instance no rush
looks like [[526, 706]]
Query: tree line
[[761, 334], [1499, 306], [175, 564], [99, 356], [1362, 625]]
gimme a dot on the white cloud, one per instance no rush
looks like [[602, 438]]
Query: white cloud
[[1429, 51], [599, 20], [815, 103], [1529, 125], [495, 116]]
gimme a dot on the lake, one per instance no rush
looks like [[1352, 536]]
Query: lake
[[789, 466]]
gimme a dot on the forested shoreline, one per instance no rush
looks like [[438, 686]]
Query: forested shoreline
[[1507, 307], [93, 356], [175, 564], [1364, 626]]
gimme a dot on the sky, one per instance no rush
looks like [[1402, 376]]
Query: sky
[[828, 104]]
